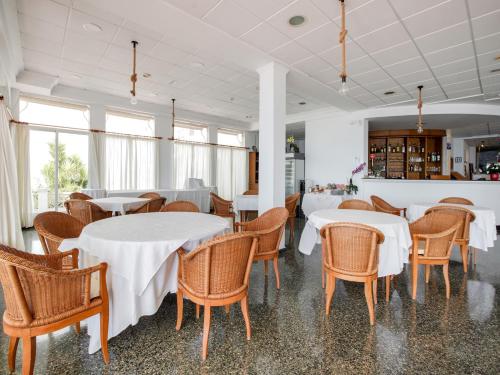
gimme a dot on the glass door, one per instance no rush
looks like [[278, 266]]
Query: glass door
[[43, 170]]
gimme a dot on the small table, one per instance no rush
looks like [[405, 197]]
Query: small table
[[242, 204], [142, 264], [394, 250], [483, 231], [119, 204], [320, 201]]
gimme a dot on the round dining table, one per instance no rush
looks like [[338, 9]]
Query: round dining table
[[320, 201], [483, 231], [119, 204], [394, 251], [140, 250]]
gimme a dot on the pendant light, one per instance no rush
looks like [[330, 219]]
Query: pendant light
[[420, 123], [344, 88], [133, 77]]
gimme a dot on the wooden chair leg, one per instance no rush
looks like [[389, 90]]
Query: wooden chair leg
[[266, 267], [464, 249], [197, 311], [180, 309], [11, 359], [427, 273], [104, 316], [474, 251], [414, 279], [29, 354], [77, 327], [374, 286], [292, 230], [206, 331], [369, 301], [330, 291], [446, 280], [387, 288], [322, 264], [244, 310], [276, 271]]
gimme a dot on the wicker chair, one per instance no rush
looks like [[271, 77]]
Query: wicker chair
[[53, 228], [451, 214], [154, 205], [356, 204], [433, 237], [223, 208], [457, 200], [41, 298], [180, 206], [85, 211], [82, 196], [269, 228], [381, 205], [216, 274], [150, 195], [351, 253], [291, 205]]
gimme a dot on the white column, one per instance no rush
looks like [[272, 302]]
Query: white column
[[272, 134], [165, 165]]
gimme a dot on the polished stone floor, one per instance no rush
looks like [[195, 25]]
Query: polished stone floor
[[292, 335]]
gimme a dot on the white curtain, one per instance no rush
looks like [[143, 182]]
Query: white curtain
[[130, 163], [97, 161], [10, 219], [21, 139], [231, 172], [191, 161]]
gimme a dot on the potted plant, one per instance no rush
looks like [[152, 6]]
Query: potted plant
[[351, 188], [493, 169], [291, 144]]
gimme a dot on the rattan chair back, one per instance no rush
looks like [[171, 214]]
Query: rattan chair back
[[180, 206], [351, 248], [222, 207], [356, 204], [81, 196], [156, 204], [150, 195], [457, 200], [452, 214], [291, 204], [86, 211], [435, 234], [53, 227], [381, 205]]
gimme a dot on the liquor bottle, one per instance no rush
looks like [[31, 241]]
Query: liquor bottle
[[438, 156], [422, 150], [428, 157], [403, 149], [397, 148]]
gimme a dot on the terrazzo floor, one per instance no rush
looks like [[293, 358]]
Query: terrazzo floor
[[292, 335]]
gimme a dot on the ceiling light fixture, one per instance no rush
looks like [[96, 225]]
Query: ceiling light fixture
[[146, 75], [389, 92], [495, 70], [302, 103], [133, 77], [92, 27], [297, 21], [420, 122], [343, 33]]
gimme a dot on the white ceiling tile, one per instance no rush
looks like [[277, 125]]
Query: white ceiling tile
[[263, 8], [392, 55], [151, 65], [124, 38], [361, 66], [455, 67], [449, 55], [34, 43], [321, 39], [46, 10], [77, 67], [33, 26], [486, 25], [230, 17], [458, 77], [332, 8], [222, 72], [408, 8], [78, 19], [460, 86], [265, 37], [463, 93], [84, 44], [314, 18], [327, 76], [374, 15], [41, 62], [457, 34], [384, 38], [478, 8], [488, 43], [291, 53], [197, 8], [489, 58], [312, 65], [170, 54], [378, 85], [91, 9], [415, 78], [334, 55], [447, 14]]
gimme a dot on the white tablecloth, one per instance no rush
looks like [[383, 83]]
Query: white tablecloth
[[319, 201], [95, 193], [140, 251], [119, 204], [483, 231], [393, 251], [246, 203]]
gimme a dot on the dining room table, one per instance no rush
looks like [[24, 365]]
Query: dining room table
[[140, 251], [393, 252], [243, 204], [119, 204], [315, 201], [483, 231]]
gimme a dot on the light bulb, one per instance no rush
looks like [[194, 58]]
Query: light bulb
[[344, 88], [133, 100], [420, 129]]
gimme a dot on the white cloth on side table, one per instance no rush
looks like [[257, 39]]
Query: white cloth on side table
[[119, 204], [483, 231], [95, 193], [142, 264], [394, 250], [246, 203], [319, 201]]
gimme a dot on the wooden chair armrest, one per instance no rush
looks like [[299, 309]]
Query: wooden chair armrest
[[54, 260]]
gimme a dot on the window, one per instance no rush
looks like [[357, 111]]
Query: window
[[191, 160], [231, 164], [58, 158], [130, 162]]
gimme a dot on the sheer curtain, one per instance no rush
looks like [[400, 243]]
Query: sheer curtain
[[231, 172], [10, 227], [191, 161], [21, 138], [130, 163], [97, 155]]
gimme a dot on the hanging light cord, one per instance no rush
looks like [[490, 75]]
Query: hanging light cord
[[133, 77], [342, 37]]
